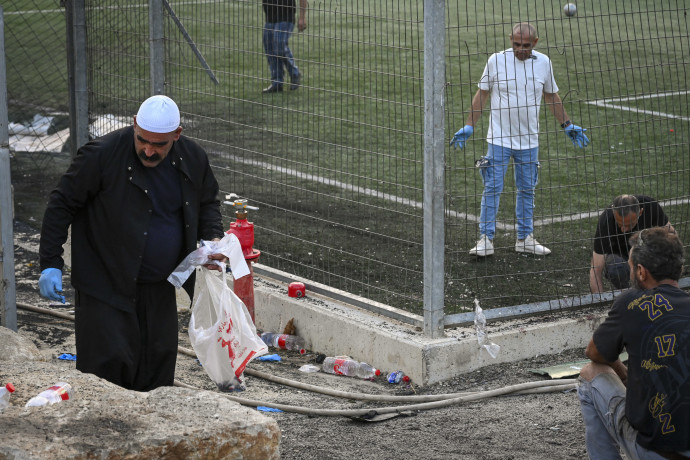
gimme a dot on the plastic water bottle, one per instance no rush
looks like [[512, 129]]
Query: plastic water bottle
[[5, 393], [59, 392], [346, 366], [284, 341], [397, 377]]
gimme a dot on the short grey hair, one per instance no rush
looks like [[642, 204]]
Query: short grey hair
[[626, 204]]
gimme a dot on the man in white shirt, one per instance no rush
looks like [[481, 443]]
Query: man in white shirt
[[516, 79]]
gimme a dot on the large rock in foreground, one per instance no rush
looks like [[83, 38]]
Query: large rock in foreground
[[104, 421]]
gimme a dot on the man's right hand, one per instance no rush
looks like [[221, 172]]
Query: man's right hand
[[461, 136], [50, 284]]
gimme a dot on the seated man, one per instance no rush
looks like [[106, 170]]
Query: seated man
[[627, 214], [644, 409]]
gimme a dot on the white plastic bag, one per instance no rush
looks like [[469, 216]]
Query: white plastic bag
[[228, 246], [222, 332]]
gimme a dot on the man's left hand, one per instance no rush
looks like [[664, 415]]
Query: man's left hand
[[577, 135]]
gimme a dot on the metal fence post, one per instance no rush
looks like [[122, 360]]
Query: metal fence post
[[434, 164], [75, 18], [8, 300], [157, 47]]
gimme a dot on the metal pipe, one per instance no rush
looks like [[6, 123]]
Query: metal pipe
[[8, 307], [434, 165], [156, 47]]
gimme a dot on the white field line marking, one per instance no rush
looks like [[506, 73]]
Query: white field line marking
[[417, 204], [356, 188], [608, 104]]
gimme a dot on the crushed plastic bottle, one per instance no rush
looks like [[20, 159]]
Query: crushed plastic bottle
[[397, 377], [482, 336], [59, 392], [284, 341], [346, 366], [5, 393]]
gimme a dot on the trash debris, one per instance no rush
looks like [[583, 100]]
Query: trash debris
[[269, 358], [38, 126], [68, 357], [309, 368], [296, 289], [284, 341], [5, 393], [104, 124], [290, 327], [59, 392], [397, 377], [568, 370], [341, 365], [482, 337], [267, 409]]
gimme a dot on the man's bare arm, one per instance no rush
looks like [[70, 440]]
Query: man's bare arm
[[478, 102], [596, 271], [302, 20], [555, 105]]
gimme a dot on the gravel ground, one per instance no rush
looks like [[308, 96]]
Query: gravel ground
[[537, 426]]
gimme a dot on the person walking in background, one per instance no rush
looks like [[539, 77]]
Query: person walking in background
[[626, 215], [280, 22], [515, 79], [138, 200], [642, 409]]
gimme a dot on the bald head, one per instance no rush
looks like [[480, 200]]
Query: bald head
[[525, 30], [524, 39]]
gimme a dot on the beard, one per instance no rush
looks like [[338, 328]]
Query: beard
[[635, 281]]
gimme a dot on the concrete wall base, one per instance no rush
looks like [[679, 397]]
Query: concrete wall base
[[335, 328]]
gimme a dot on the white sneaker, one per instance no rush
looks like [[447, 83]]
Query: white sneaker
[[483, 248], [531, 246]]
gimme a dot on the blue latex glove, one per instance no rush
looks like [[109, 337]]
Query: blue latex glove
[[577, 135], [461, 136], [50, 284]]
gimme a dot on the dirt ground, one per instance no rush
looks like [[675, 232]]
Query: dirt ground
[[543, 426]]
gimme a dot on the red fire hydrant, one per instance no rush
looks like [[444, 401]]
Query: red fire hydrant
[[244, 231]]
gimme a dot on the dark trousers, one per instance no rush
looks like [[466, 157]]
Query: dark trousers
[[135, 350], [617, 271]]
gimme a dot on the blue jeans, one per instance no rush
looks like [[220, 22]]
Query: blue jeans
[[278, 54], [607, 430], [493, 170]]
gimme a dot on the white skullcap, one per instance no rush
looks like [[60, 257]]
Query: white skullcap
[[158, 114]]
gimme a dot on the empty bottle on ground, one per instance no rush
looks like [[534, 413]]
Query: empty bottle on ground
[[350, 367], [397, 377], [5, 393], [284, 341], [59, 392]]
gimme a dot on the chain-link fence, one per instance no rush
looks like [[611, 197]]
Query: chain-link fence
[[336, 164]]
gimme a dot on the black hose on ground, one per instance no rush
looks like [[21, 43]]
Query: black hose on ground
[[565, 383]]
